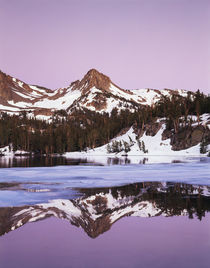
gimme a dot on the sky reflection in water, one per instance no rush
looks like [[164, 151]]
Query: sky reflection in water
[[146, 224]]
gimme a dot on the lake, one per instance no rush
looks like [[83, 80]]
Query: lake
[[81, 213]]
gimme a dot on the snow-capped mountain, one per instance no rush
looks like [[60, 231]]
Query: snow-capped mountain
[[98, 209], [95, 92]]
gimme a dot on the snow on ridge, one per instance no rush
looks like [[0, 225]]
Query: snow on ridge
[[63, 204], [148, 96], [63, 208], [20, 84], [141, 209], [19, 104], [86, 211], [63, 102], [140, 96], [119, 96], [27, 96], [144, 96], [9, 108], [38, 89], [112, 203], [64, 98]]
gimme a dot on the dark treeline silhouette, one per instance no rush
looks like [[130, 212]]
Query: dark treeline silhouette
[[84, 129]]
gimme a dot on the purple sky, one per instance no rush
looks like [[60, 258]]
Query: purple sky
[[142, 43]]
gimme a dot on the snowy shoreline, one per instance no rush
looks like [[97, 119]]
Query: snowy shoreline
[[132, 145]]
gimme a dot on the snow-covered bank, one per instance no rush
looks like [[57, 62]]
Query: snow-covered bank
[[8, 151], [153, 143], [133, 146]]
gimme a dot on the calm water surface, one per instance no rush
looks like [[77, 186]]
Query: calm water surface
[[25, 161], [88, 215], [43, 161], [131, 242]]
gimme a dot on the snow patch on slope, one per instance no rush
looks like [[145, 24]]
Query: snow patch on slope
[[154, 144], [62, 102], [157, 150]]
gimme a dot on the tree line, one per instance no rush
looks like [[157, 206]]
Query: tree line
[[83, 129]]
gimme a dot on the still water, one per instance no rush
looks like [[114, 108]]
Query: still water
[[131, 242], [90, 215], [49, 161], [42, 161]]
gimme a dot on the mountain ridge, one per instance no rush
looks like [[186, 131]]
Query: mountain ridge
[[95, 92]]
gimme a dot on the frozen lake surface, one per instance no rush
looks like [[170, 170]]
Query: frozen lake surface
[[31, 185]]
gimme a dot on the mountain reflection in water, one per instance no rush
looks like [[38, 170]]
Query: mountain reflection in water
[[99, 208]]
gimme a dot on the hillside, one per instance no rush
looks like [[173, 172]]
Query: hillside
[[155, 140]]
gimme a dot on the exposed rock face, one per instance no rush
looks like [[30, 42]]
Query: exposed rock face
[[189, 137], [166, 134], [165, 141], [96, 91], [14, 91], [6, 215], [94, 79], [152, 128], [41, 111], [6, 88]]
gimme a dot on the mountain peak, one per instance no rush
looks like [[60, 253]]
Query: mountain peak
[[94, 78], [93, 72]]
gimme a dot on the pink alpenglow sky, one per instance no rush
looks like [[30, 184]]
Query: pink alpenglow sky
[[138, 44]]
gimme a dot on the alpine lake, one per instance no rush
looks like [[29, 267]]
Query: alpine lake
[[105, 212]]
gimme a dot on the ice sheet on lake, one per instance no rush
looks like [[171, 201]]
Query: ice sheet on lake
[[47, 183], [97, 176]]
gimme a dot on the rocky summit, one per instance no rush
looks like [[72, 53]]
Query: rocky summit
[[95, 92]]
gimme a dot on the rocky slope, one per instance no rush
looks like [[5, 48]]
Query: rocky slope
[[95, 92], [154, 139]]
